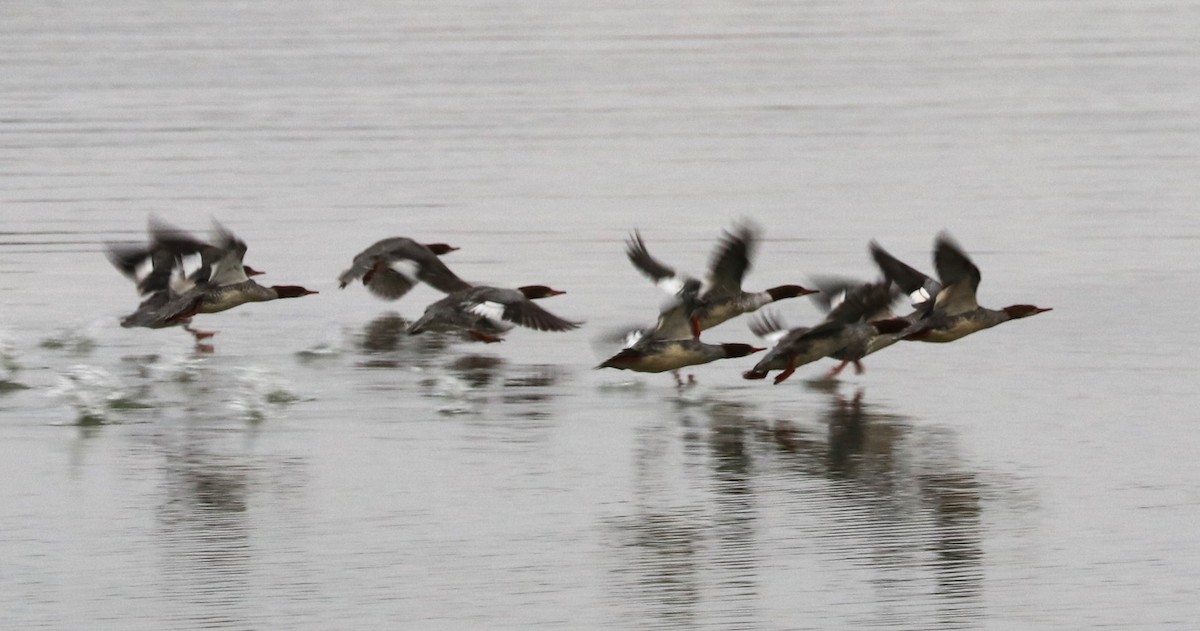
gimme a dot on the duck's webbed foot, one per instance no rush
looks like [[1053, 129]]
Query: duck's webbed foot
[[486, 338]]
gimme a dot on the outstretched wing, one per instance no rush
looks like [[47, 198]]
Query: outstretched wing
[[960, 277], [731, 260], [663, 275], [921, 289]]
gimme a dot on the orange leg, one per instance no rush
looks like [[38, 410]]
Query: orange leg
[[837, 370], [199, 335], [484, 337], [781, 377]]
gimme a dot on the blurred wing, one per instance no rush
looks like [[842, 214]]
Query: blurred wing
[[528, 314], [662, 275], [960, 277], [731, 261], [768, 326], [921, 289]]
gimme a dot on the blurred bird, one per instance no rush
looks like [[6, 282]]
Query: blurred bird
[[391, 267], [172, 295], [487, 312], [945, 311]]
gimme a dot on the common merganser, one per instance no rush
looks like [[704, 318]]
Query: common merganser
[[486, 312], [723, 297], [391, 267], [672, 343], [654, 354], [844, 329], [171, 295], [864, 336], [946, 311]]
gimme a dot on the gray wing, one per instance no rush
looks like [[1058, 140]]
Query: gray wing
[[731, 260], [960, 277], [920, 288], [528, 314], [149, 267], [392, 267], [512, 306], [224, 260], [663, 275], [863, 302]]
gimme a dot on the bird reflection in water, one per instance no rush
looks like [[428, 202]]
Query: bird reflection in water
[[204, 535], [211, 483], [385, 344], [887, 502], [908, 496], [658, 545], [487, 385]]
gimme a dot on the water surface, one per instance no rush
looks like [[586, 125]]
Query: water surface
[[320, 469]]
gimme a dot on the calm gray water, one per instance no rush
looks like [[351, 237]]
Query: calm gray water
[[319, 470]]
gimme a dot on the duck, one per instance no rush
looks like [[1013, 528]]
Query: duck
[[845, 331], [654, 355], [171, 295], [391, 267], [722, 297], [486, 312], [946, 309], [864, 336], [673, 343]]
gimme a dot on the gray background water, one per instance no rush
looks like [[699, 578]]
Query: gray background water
[[319, 471]]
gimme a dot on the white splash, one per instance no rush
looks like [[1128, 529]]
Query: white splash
[[332, 343], [259, 392], [180, 368], [92, 391], [77, 341]]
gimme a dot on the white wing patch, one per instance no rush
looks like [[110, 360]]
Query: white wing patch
[[633, 337], [179, 281], [837, 300], [188, 264], [774, 337], [406, 268], [228, 270], [143, 269], [671, 284], [919, 297], [493, 311]]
